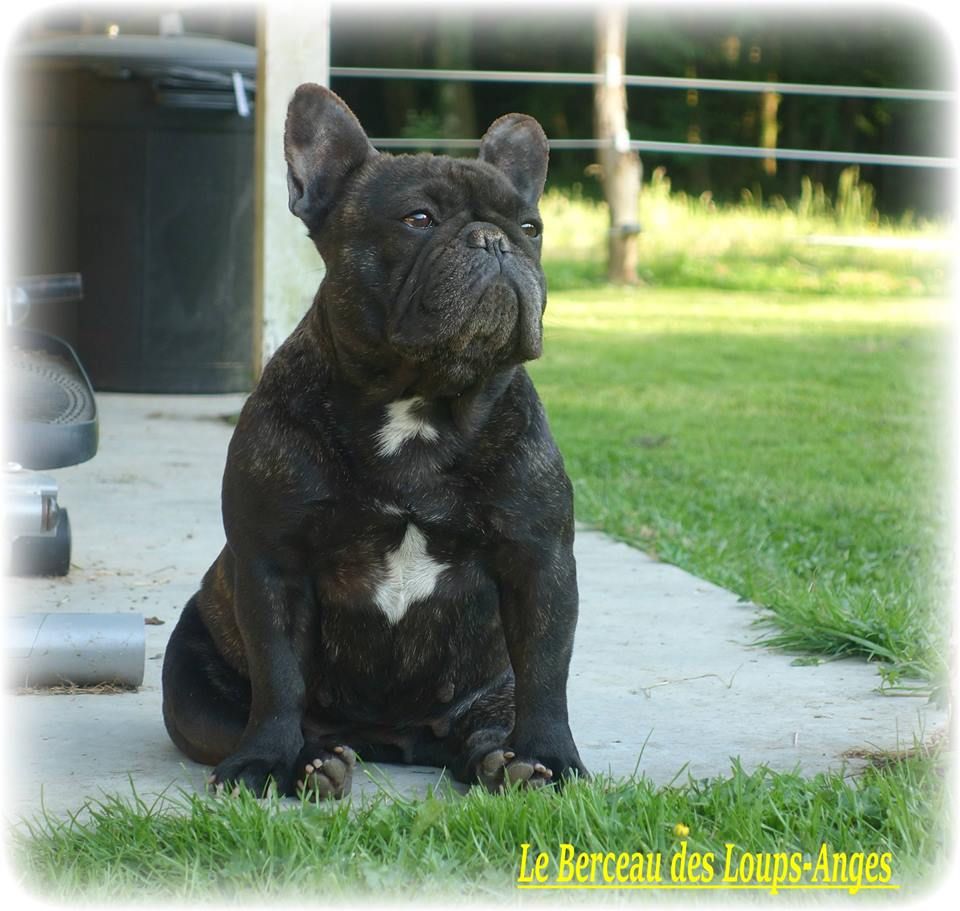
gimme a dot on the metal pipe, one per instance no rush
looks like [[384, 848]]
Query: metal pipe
[[659, 82], [52, 289], [691, 148], [696, 148], [76, 648]]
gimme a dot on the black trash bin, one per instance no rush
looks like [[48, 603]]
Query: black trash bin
[[136, 170]]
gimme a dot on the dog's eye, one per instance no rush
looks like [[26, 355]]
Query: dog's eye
[[419, 220], [530, 229]]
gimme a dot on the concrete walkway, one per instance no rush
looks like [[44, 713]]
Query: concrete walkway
[[663, 672]]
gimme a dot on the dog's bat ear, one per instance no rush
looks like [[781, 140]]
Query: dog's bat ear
[[323, 143], [517, 145]]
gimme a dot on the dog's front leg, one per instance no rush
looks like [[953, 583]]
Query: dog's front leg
[[273, 736], [538, 610]]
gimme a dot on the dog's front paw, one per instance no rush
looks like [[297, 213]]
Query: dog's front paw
[[545, 756], [255, 767], [325, 773], [500, 770]]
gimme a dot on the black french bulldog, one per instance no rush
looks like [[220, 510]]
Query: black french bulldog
[[398, 579]]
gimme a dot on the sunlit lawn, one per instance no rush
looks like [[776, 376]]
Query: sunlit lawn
[[765, 412], [689, 242]]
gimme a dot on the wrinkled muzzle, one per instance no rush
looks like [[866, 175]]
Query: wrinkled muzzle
[[475, 298]]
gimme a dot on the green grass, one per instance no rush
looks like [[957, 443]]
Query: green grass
[[193, 847], [691, 242], [784, 446], [765, 413]]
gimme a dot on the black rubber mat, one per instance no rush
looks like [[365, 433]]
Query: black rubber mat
[[47, 388]]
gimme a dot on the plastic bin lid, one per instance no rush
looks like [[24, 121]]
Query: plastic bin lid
[[143, 53]]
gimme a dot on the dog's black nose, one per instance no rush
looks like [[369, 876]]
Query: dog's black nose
[[490, 238]]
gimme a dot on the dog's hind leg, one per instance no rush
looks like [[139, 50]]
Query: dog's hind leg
[[206, 702]]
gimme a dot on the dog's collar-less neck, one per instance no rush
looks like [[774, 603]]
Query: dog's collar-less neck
[[381, 384]]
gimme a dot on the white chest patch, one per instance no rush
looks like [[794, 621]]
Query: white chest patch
[[410, 575], [403, 424]]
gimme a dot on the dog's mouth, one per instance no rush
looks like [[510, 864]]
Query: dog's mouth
[[509, 319], [485, 311]]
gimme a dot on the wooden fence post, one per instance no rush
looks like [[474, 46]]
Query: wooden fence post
[[620, 167], [291, 49]]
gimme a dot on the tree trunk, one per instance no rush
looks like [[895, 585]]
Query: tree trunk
[[453, 52], [769, 127], [620, 168]]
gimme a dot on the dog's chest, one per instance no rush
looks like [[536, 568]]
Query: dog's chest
[[377, 555], [404, 536], [408, 574]]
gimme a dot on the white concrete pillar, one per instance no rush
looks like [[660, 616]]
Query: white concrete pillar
[[293, 44]]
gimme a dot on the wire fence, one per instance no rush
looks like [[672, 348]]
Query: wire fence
[[677, 83]]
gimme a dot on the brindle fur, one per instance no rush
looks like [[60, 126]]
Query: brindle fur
[[283, 653]]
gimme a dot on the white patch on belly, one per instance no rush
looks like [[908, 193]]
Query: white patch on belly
[[410, 575], [402, 425]]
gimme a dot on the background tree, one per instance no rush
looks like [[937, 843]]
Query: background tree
[[891, 47], [620, 171]]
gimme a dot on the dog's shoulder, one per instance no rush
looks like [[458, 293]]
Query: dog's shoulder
[[280, 453], [527, 494], [516, 436]]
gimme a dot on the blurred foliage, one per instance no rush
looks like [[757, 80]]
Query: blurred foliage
[[897, 48], [886, 46], [754, 244]]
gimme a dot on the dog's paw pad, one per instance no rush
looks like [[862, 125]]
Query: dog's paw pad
[[501, 770], [329, 774]]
